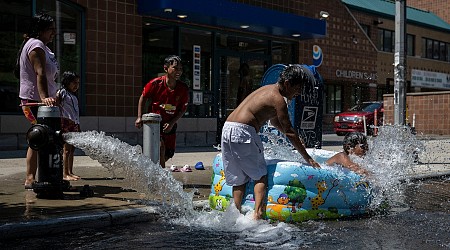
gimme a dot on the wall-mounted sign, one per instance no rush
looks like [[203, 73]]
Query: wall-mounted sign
[[317, 56], [196, 66], [352, 74], [197, 97], [428, 79], [70, 38]]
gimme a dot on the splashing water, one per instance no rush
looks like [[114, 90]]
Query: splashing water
[[140, 172], [149, 178], [390, 155]]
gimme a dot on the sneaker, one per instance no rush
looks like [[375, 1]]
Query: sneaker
[[186, 168], [174, 168]]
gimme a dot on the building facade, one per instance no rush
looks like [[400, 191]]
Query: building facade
[[119, 45]]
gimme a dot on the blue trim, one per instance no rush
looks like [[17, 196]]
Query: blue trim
[[223, 13]]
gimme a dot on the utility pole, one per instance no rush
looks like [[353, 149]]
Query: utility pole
[[400, 63]]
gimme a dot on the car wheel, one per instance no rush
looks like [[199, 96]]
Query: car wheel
[[340, 133]]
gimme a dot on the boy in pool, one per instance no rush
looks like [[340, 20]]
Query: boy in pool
[[242, 149], [355, 143]]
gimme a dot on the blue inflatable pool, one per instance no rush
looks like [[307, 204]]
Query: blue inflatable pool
[[297, 192]]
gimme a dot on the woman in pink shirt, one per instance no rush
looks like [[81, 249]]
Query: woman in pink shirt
[[38, 72]]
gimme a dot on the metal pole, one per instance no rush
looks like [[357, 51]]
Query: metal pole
[[400, 63], [151, 136]]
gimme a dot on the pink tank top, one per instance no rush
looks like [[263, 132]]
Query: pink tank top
[[28, 79]]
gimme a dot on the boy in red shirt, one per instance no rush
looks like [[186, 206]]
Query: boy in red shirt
[[169, 98]]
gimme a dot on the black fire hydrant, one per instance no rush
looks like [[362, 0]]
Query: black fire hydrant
[[46, 138]]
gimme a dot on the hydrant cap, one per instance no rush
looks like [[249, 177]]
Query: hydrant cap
[[37, 136], [47, 111], [151, 117]]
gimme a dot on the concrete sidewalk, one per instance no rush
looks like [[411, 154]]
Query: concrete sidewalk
[[23, 214]]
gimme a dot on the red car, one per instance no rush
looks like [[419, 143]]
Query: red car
[[353, 120]]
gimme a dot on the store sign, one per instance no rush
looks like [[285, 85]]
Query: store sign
[[352, 74], [428, 79], [196, 66]]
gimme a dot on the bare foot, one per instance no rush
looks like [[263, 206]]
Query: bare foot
[[69, 178], [29, 183], [75, 176]]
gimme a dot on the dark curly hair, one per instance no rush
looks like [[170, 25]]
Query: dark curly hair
[[352, 139], [170, 60], [296, 74], [67, 78], [39, 23]]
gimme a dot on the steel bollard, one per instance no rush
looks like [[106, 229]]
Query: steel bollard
[[151, 136], [46, 138]]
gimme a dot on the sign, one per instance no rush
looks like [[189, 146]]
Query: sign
[[309, 117], [69, 38], [352, 74], [317, 56], [197, 97], [428, 79], [196, 66]]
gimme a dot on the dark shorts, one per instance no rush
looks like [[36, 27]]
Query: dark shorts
[[68, 125], [169, 140]]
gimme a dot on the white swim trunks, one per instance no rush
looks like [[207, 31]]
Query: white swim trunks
[[242, 154]]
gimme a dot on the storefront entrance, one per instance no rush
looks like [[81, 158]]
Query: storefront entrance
[[239, 73]]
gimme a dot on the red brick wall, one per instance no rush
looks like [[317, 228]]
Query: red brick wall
[[431, 111], [113, 57]]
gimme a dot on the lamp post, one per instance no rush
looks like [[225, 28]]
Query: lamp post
[[400, 63]]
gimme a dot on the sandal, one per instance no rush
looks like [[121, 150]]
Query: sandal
[[174, 168], [186, 168]]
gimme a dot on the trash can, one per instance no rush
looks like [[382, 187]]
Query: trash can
[[306, 110]]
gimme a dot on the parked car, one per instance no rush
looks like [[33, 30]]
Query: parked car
[[353, 120]]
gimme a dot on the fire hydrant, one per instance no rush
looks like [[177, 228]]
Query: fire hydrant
[[46, 138]]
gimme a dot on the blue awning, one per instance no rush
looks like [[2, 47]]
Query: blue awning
[[223, 13]]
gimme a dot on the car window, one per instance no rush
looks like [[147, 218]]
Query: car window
[[367, 107]]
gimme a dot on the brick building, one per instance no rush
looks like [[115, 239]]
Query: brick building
[[118, 46]]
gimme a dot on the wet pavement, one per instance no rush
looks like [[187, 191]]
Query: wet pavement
[[112, 203]]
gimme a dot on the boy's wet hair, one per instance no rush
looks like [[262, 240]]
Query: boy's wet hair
[[296, 74], [352, 139], [39, 23], [67, 78], [170, 60]]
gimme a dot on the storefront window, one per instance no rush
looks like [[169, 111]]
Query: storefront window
[[196, 56], [15, 20], [282, 53], [157, 45], [333, 100]]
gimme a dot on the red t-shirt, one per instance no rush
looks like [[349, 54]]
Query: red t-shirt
[[165, 101]]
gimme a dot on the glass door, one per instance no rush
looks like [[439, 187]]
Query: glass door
[[239, 74]]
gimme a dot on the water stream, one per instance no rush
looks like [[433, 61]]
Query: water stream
[[391, 154]]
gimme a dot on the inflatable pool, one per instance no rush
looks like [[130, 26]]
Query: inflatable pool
[[297, 192]]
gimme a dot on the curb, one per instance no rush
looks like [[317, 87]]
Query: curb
[[85, 220]]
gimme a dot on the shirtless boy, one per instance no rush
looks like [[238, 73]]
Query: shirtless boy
[[355, 143], [242, 149]]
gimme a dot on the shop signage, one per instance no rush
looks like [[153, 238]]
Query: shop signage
[[352, 74], [317, 56], [196, 66], [428, 79]]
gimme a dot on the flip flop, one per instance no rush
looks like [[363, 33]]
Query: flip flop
[[186, 168], [174, 168], [199, 166]]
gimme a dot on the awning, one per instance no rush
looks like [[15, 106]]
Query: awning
[[223, 13]]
